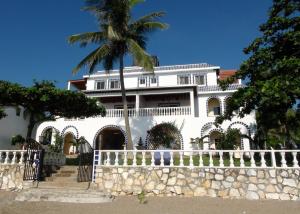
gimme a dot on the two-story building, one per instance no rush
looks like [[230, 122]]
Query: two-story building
[[186, 95]]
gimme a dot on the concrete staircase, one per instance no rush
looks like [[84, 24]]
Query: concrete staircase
[[62, 186]]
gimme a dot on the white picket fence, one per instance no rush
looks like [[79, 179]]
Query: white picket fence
[[198, 158], [11, 157]]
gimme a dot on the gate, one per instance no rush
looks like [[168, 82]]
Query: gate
[[33, 160], [86, 155]]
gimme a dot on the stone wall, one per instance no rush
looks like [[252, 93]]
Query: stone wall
[[252, 184], [11, 177]]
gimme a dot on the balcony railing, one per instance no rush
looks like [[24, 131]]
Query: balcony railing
[[198, 158], [146, 112]]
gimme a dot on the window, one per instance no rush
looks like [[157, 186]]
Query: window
[[153, 80], [199, 79], [114, 84], [142, 81], [100, 85], [217, 110], [183, 80]]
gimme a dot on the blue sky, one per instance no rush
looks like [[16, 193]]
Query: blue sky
[[33, 35]]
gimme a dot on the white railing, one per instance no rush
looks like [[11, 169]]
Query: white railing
[[10, 157], [146, 112], [54, 159], [198, 158]]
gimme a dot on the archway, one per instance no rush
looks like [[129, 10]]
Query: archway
[[69, 140], [213, 107], [48, 135], [214, 138], [165, 135], [110, 138]]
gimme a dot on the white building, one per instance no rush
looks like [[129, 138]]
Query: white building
[[15, 123], [187, 95]]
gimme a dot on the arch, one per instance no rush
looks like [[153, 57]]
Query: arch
[[74, 131], [49, 127], [214, 137], [225, 102], [109, 126], [210, 106], [206, 126], [44, 132], [67, 144], [178, 133], [247, 128]]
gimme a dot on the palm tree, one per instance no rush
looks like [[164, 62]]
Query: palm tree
[[118, 36]]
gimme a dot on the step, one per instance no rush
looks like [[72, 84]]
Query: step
[[63, 184], [63, 195]]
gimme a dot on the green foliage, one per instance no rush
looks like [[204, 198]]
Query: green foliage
[[165, 135], [58, 143], [272, 70], [44, 101], [229, 140], [18, 139], [142, 197], [119, 34]]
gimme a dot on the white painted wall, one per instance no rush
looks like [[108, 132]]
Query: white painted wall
[[12, 125]]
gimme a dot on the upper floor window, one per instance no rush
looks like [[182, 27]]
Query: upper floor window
[[114, 84], [213, 107], [153, 80], [199, 79], [183, 80], [100, 85], [142, 81]]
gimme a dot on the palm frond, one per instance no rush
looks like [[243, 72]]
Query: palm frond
[[92, 59], [112, 34], [149, 17], [86, 38], [151, 26], [142, 58], [133, 3]]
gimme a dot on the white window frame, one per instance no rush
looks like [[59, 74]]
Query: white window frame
[[198, 75], [156, 80], [145, 81], [114, 80], [100, 81], [185, 76]]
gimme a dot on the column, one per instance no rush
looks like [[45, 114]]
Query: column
[[192, 102], [137, 104]]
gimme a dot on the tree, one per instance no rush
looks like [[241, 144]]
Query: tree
[[44, 102], [118, 36], [272, 70]]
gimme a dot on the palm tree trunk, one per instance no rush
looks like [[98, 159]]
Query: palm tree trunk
[[129, 145]]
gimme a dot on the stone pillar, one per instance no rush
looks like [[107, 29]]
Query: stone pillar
[[192, 102]]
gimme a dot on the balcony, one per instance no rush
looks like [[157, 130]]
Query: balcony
[[149, 112]]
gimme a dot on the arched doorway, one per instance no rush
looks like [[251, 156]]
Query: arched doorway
[[69, 141], [48, 136], [214, 138], [110, 138], [164, 135]]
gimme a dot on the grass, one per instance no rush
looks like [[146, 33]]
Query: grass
[[196, 160]]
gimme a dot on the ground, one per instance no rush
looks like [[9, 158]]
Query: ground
[[158, 205]]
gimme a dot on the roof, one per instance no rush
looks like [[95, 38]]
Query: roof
[[79, 84], [224, 74], [132, 69]]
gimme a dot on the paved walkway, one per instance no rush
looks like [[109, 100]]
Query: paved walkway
[[157, 205]]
